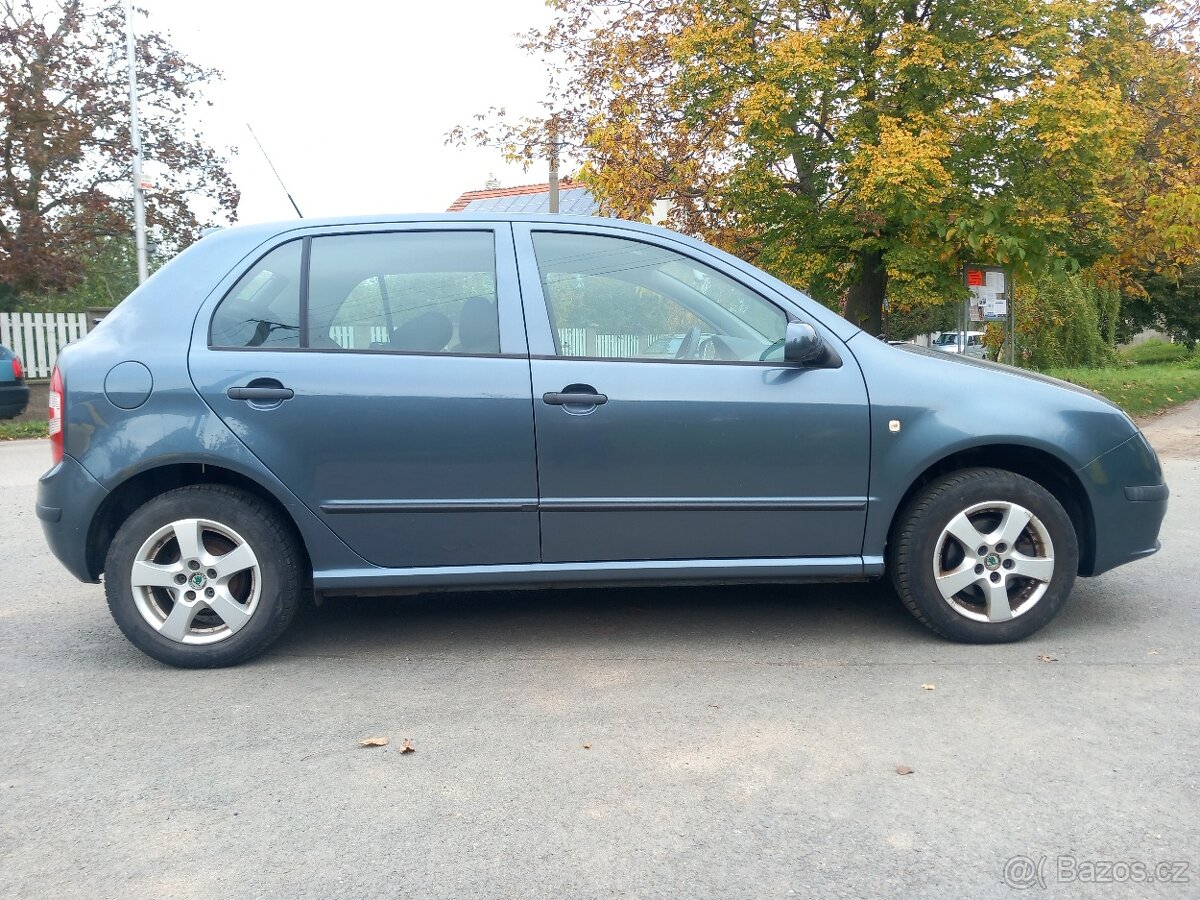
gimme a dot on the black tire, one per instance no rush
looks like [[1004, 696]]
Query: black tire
[[277, 575], [915, 557]]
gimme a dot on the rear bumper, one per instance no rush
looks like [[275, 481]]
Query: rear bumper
[[13, 400], [1129, 501], [67, 500]]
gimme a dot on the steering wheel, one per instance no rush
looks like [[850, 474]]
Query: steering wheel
[[687, 346]]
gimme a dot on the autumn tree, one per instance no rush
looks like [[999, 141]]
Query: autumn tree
[[65, 123], [867, 149]]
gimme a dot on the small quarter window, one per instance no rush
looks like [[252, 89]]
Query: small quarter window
[[263, 308]]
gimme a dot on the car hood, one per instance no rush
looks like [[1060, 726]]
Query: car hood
[[955, 402], [959, 359]]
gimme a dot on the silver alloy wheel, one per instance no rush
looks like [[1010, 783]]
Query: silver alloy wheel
[[196, 581], [993, 561]]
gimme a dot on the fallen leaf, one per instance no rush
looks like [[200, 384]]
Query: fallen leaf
[[1046, 657], [903, 770], [1152, 653], [587, 746], [929, 687], [373, 742], [407, 746]]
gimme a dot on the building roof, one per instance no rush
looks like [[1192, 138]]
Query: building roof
[[573, 199]]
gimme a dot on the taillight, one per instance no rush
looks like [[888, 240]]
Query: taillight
[[55, 415], [18, 372]]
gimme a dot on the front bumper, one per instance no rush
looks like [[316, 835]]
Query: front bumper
[[1129, 501], [67, 501]]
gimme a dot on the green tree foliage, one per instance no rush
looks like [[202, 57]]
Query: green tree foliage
[[108, 273], [1066, 322], [64, 129], [866, 149], [903, 322], [1169, 303]]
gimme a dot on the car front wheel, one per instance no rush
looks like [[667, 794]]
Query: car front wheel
[[203, 576], [984, 556]]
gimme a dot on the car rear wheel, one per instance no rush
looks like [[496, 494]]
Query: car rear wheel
[[984, 556], [203, 576]]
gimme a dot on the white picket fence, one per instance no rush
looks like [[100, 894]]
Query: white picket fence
[[573, 342], [37, 337], [344, 335]]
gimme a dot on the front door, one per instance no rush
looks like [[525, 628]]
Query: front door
[[668, 425], [382, 376]]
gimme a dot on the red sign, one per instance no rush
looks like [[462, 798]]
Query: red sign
[[974, 277]]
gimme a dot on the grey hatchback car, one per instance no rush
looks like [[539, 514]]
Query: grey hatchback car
[[387, 405]]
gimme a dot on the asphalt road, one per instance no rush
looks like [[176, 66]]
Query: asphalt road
[[723, 742]]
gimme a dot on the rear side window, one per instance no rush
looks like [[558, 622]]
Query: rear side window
[[421, 292], [263, 308]]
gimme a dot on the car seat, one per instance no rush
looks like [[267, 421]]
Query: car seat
[[428, 333], [478, 329]]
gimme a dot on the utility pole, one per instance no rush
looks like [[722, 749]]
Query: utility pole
[[553, 164], [135, 137]]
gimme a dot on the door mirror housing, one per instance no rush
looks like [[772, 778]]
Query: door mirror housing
[[802, 343]]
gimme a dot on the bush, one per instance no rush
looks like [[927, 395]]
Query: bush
[[1155, 351], [1065, 322]]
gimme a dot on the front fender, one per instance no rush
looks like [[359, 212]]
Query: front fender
[[928, 407]]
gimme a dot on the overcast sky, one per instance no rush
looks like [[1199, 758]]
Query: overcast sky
[[353, 103]]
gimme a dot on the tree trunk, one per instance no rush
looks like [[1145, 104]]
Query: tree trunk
[[864, 300]]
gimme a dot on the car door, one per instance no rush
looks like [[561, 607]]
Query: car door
[[381, 373], [705, 445]]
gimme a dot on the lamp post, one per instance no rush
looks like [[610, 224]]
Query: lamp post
[[553, 125], [135, 138]]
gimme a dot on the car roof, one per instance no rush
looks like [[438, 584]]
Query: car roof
[[284, 225]]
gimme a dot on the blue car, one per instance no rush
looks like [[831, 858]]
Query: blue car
[[388, 405], [14, 392]]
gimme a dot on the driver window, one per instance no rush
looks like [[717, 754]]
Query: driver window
[[613, 298]]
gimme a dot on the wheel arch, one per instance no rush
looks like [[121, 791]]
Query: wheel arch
[[129, 495], [1037, 465]]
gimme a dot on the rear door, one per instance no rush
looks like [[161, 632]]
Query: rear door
[[382, 375]]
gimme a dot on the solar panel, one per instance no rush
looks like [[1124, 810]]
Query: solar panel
[[532, 203], [529, 203], [572, 201]]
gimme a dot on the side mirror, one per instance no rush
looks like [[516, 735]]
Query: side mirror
[[801, 343]]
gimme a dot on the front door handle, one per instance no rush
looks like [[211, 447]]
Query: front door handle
[[576, 394], [259, 393]]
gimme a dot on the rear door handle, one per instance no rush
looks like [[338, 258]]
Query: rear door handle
[[250, 392], [582, 398]]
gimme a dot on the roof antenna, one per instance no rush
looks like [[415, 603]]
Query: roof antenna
[[273, 170]]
